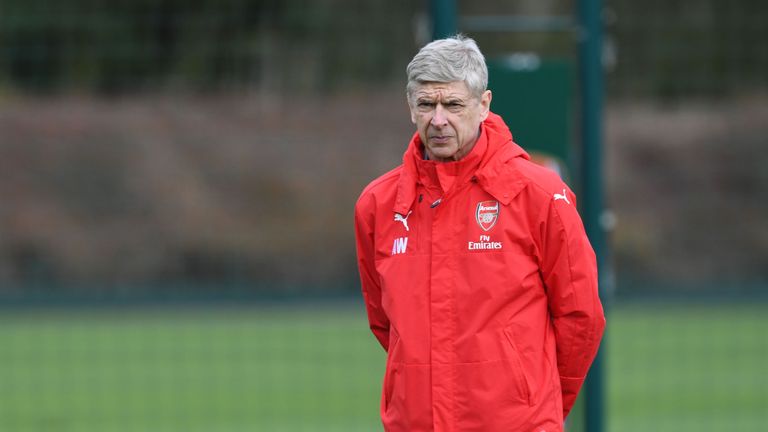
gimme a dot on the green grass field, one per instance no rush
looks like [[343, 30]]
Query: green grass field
[[303, 368]]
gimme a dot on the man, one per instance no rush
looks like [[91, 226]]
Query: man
[[478, 278]]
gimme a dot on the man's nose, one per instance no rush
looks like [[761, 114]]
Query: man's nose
[[439, 119]]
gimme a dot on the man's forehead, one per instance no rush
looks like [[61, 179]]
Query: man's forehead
[[453, 88]]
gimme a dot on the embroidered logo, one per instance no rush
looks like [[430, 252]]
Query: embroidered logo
[[485, 243], [403, 219], [487, 214], [564, 196]]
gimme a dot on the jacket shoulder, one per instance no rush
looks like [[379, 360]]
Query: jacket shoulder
[[539, 178], [384, 185]]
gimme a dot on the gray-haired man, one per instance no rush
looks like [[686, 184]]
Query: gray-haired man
[[478, 278]]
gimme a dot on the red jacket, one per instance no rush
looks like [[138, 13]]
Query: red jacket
[[481, 285]]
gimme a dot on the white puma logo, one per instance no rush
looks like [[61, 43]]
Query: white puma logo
[[562, 197], [404, 220]]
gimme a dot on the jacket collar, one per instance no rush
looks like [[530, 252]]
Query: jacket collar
[[487, 163]]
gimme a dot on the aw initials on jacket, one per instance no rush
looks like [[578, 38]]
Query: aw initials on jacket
[[481, 286]]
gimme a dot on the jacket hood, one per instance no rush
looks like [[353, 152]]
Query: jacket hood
[[487, 162]]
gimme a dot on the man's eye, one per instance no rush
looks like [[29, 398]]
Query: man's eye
[[426, 104]]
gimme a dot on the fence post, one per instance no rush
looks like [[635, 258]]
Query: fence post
[[592, 90], [443, 18]]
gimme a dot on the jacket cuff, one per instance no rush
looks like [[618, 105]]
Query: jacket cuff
[[570, 388]]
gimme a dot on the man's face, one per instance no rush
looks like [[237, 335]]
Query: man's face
[[447, 118]]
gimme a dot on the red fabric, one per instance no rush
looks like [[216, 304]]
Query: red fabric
[[484, 330]]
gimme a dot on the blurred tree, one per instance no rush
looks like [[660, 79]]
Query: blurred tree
[[200, 44]]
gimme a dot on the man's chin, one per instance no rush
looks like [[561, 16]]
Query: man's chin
[[442, 152]]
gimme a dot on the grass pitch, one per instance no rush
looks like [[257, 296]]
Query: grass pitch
[[303, 368]]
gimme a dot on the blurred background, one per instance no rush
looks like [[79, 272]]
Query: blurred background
[[177, 182]]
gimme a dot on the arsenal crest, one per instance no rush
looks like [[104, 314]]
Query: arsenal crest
[[487, 214]]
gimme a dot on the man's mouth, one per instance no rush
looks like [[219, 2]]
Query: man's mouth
[[439, 139]]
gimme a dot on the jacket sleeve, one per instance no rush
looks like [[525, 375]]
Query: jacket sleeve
[[366, 254], [569, 271]]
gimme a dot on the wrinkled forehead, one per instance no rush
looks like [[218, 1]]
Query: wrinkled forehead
[[442, 90]]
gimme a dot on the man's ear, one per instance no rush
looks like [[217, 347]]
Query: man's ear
[[410, 109], [485, 103]]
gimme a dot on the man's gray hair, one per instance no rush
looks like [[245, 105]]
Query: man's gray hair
[[455, 58]]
